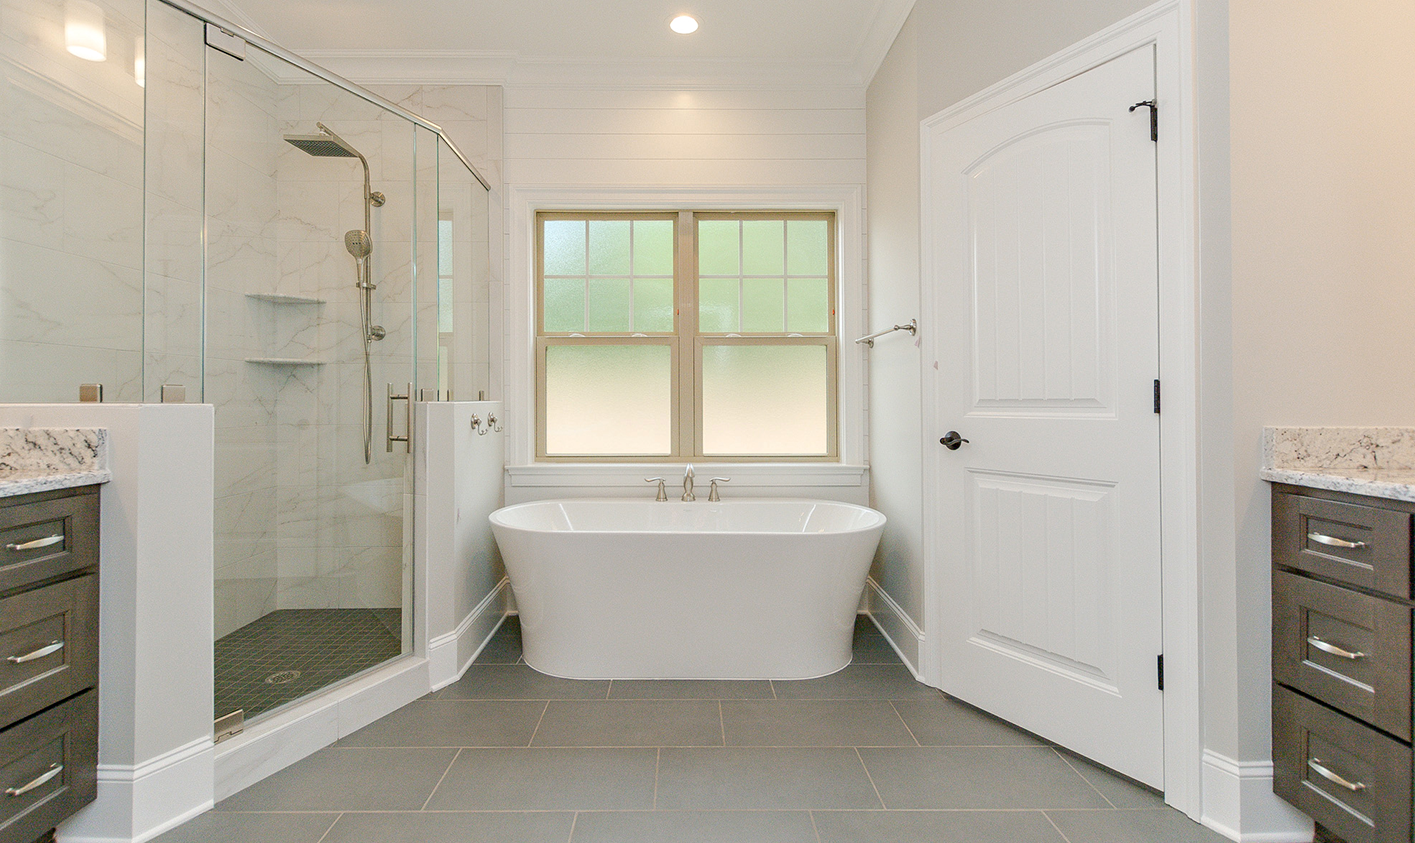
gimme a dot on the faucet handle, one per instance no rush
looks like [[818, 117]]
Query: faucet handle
[[662, 489], [712, 489]]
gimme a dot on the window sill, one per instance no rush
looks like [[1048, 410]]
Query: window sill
[[631, 475]]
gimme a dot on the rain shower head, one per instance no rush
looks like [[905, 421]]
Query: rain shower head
[[324, 145]]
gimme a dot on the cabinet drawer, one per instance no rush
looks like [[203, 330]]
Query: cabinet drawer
[[48, 768], [48, 646], [1347, 649], [1342, 773], [47, 539], [1365, 546]]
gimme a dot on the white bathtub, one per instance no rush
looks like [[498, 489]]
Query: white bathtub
[[631, 589]]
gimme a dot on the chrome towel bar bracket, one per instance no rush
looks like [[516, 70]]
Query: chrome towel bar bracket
[[912, 328]]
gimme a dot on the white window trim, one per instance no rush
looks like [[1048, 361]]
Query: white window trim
[[523, 205]]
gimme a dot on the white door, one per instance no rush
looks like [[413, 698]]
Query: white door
[[1042, 252]]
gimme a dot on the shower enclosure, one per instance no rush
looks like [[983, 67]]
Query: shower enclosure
[[308, 258]]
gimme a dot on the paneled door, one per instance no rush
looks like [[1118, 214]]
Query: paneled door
[[1041, 245]]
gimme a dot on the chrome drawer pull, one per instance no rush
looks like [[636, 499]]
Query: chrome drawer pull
[[1316, 765], [1333, 649], [36, 544], [45, 777], [47, 649], [1332, 541]]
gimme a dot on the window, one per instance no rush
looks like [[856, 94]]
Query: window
[[686, 335]]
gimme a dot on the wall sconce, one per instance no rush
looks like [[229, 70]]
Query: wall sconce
[[140, 62], [83, 30]]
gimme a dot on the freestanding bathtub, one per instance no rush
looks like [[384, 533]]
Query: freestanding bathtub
[[632, 589]]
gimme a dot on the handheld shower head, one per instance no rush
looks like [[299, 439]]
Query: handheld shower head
[[359, 244]]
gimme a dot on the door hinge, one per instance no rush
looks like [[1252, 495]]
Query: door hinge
[[1157, 395], [1154, 117], [1159, 671]]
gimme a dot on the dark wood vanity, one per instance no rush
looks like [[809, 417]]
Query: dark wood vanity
[[1341, 659], [48, 659]]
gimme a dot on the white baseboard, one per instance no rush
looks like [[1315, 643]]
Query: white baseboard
[[138, 803], [1239, 803], [895, 624], [272, 745], [450, 655]]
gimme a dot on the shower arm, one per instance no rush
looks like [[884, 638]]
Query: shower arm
[[368, 184]]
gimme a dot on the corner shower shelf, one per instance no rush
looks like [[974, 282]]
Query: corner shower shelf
[[284, 361], [275, 298]]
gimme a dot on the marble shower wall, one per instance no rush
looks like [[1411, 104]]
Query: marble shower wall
[[71, 184]]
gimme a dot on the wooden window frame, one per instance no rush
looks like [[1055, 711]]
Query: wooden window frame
[[686, 341]]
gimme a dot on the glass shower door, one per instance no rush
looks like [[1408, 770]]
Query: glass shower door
[[309, 314]]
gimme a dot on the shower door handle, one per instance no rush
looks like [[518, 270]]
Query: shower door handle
[[407, 437]]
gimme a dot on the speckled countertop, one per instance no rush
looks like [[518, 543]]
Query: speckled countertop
[[38, 459], [1375, 461]]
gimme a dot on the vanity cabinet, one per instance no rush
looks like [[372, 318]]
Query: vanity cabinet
[[48, 659], [1341, 659]]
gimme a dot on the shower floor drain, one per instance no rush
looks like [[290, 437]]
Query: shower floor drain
[[284, 677]]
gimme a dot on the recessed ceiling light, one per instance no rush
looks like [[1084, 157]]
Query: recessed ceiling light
[[684, 24]]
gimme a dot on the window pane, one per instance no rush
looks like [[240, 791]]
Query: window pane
[[718, 306], [763, 247], [608, 399], [719, 246], [609, 247], [564, 247], [764, 400], [763, 305], [807, 247], [808, 306], [653, 247], [609, 305], [564, 305], [444, 247], [653, 305]]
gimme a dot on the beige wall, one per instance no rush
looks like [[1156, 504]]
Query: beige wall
[[1323, 248]]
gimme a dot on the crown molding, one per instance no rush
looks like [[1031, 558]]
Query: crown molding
[[888, 19]]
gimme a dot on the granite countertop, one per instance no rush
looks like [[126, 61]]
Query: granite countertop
[[39, 459], [1375, 461]]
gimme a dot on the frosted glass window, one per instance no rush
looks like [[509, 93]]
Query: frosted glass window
[[610, 301], [808, 305], [763, 251], [653, 305], [445, 292], [565, 247], [609, 247], [564, 305], [608, 400], [763, 305], [719, 247], [653, 247], [719, 305], [765, 400], [807, 247]]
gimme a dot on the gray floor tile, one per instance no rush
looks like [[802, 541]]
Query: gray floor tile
[[1118, 790], [491, 827], [945, 722], [813, 723], [520, 682], [763, 779], [694, 827], [505, 646], [348, 779], [857, 682], [690, 689], [935, 827], [1167, 826], [871, 647], [453, 723], [978, 777], [630, 723], [218, 827], [548, 780]]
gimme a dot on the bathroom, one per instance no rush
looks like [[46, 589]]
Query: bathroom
[[193, 191]]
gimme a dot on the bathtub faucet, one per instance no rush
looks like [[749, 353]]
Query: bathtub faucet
[[662, 491], [688, 484]]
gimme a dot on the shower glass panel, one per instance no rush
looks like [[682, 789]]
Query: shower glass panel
[[463, 281], [311, 227], [71, 190]]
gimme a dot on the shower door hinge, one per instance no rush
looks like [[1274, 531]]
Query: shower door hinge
[[1157, 395], [1159, 671], [1154, 117], [229, 43]]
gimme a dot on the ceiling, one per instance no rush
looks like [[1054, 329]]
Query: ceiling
[[739, 42]]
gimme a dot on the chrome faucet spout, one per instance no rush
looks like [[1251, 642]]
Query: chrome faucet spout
[[688, 484]]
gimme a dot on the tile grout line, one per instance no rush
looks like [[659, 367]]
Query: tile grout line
[[657, 759], [871, 779], [722, 723], [1055, 826], [1088, 782], [609, 691], [815, 828], [906, 723], [337, 817], [539, 721], [576, 818], [428, 800]]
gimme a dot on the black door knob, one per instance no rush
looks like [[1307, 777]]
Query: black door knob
[[951, 440]]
